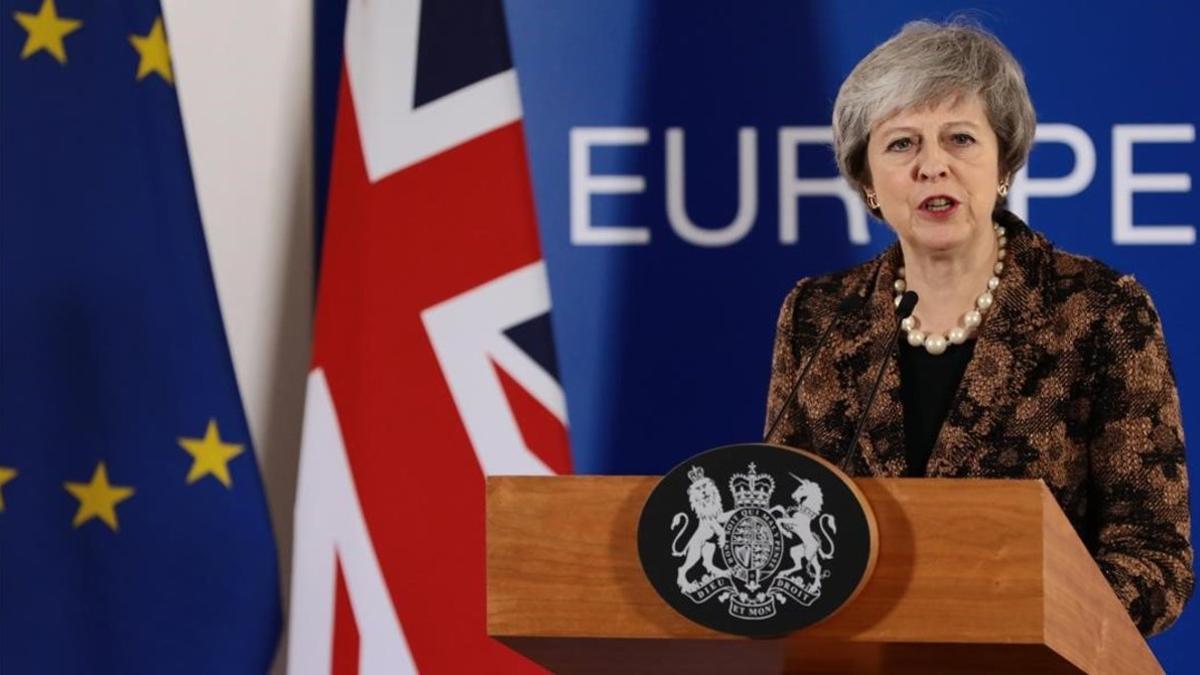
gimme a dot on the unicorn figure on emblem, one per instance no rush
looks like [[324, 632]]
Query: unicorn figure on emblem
[[796, 522]]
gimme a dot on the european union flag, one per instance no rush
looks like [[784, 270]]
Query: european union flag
[[134, 535]]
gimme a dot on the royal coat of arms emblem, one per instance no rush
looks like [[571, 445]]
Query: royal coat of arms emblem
[[768, 554], [756, 539]]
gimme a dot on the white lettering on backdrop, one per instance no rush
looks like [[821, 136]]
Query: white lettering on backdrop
[[1073, 183], [1125, 183], [747, 192], [792, 186]]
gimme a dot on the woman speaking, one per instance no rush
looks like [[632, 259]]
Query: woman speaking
[[1021, 360]]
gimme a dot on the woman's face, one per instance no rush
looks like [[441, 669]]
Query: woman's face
[[935, 172]]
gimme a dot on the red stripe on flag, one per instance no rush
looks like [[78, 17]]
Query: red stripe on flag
[[544, 435], [345, 629]]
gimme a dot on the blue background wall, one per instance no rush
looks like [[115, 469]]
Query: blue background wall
[[665, 347]]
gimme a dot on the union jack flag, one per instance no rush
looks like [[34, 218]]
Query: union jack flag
[[433, 363]]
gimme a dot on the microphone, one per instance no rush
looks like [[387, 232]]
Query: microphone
[[848, 304], [908, 302]]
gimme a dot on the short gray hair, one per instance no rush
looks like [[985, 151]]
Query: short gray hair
[[925, 64]]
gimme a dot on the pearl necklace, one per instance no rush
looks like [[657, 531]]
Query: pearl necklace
[[936, 343]]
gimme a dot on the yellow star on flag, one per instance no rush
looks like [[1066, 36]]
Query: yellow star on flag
[[46, 31], [6, 474], [98, 499], [210, 456], [154, 57]]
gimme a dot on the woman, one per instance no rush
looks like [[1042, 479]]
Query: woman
[[1020, 360]]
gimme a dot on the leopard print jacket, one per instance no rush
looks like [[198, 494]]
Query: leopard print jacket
[[1070, 382]]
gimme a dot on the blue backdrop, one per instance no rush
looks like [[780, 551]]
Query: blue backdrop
[[665, 344]]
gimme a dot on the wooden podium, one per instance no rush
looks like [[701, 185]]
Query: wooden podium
[[973, 576]]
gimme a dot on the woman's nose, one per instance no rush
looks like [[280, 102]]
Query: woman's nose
[[931, 163]]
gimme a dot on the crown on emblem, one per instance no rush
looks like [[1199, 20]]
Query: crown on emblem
[[696, 474], [752, 489]]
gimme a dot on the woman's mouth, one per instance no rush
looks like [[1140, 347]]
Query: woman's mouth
[[939, 206]]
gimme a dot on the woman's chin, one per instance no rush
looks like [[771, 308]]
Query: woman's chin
[[937, 236]]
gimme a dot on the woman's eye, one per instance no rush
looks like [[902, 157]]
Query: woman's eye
[[963, 139], [900, 144]]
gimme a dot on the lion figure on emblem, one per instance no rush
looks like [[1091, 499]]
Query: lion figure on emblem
[[796, 522], [711, 516]]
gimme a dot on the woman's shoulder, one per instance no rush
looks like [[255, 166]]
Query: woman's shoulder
[[1067, 273], [813, 300], [826, 292], [1100, 284], [1070, 278]]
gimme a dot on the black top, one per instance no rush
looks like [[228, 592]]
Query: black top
[[928, 384]]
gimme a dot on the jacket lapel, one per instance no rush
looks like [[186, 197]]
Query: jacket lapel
[[880, 449], [1002, 359], [882, 445]]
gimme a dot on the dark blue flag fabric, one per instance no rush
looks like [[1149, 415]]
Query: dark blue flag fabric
[[134, 534]]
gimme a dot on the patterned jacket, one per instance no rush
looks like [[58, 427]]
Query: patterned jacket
[[1070, 382]]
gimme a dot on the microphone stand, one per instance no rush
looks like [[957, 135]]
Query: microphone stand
[[846, 305]]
